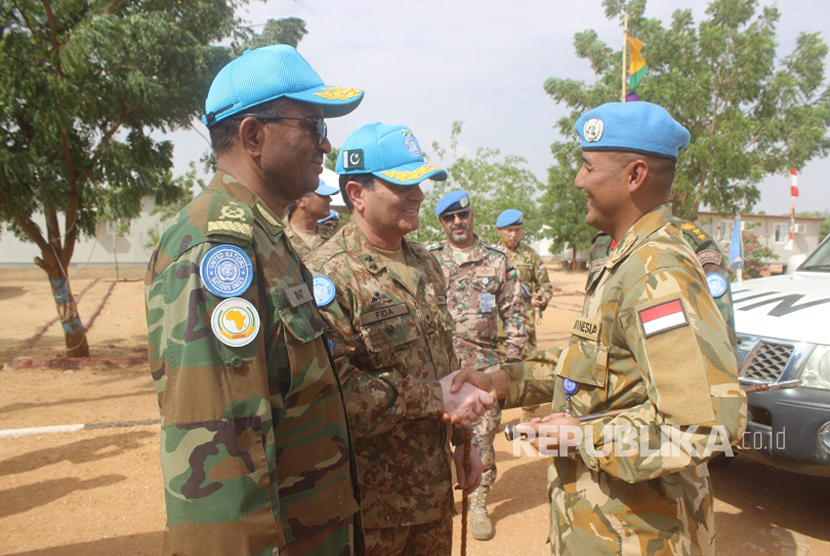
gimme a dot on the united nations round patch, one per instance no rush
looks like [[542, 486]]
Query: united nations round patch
[[569, 386], [412, 145], [323, 290], [717, 284], [235, 322], [226, 271]]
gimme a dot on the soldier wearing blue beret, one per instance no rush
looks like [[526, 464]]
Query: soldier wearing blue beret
[[304, 223], [650, 343], [256, 450]]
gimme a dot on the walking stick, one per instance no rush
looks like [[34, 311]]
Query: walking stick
[[510, 430], [468, 437]]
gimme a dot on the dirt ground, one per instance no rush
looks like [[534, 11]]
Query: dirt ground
[[98, 492]]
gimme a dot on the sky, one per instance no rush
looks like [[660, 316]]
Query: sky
[[425, 64]]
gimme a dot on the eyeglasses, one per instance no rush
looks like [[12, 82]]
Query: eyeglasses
[[321, 130], [450, 218]]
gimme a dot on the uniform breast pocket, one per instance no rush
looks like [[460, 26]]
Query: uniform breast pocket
[[386, 331], [311, 374], [585, 363]]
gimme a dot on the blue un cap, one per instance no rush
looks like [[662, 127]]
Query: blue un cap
[[269, 73], [454, 200], [388, 152], [509, 217], [326, 190], [637, 127], [332, 215]]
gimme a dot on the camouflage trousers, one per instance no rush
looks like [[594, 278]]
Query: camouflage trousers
[[433, 538], [333, 540], [485, 431]]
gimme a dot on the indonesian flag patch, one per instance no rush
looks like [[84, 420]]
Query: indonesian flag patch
[[663, 317]]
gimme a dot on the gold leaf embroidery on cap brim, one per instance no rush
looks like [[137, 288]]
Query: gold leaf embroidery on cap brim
[[411, 174], [339, 93]]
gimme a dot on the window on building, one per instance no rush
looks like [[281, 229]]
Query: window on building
[[780, 233]]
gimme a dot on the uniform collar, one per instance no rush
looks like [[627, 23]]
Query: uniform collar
[[637, 234], [366, 253], [229, 185], [475, 254]]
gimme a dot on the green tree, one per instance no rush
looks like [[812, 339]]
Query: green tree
[[564, 204], [84, 85], [494, 182], [750, 114]]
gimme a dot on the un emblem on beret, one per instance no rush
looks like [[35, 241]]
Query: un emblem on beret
[[411, 144], [593, 130]]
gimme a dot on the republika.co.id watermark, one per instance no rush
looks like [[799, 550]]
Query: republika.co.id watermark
[[642, 441]]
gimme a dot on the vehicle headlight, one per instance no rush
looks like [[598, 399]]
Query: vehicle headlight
[[816, 373]]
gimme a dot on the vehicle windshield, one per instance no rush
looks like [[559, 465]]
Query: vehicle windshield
[[819, 260]]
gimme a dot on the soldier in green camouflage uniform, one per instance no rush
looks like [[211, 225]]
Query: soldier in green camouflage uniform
[[533, 274], [650, 342], [305, 213], [708, 254], [386, 301], [482, 289], [255, 447]]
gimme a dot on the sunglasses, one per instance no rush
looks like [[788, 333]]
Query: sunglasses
[[321, 130], [450, 218]]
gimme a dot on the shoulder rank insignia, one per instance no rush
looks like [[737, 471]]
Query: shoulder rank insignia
[[226, 216], [226, 271], [235, 322]]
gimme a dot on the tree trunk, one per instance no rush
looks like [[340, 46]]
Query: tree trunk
[[73, 329], [573, 257]]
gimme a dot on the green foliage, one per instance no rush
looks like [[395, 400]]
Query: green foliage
[[494, 182], [824, 227], [331, 159], [185, 186], [84, 85], [750, 114], [756, 256], [564, 204]]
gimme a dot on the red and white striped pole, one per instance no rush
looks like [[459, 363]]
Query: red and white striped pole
[[793, 194]]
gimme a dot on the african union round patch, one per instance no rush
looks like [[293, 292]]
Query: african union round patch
[[569, 386], [235, 322], [226, 271], [717, 284], [323, 290]]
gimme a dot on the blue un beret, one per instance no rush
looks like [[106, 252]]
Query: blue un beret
[[325, 190], [454, 200], [508, 218], [332, 215], [637, 127]]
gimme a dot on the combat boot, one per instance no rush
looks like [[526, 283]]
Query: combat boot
[[480, 523]]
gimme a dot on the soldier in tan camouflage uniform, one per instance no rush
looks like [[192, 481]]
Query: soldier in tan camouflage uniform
[[708, 255], [255, 448], [482, 289], [650, 342], [303, 227], [387, 304]]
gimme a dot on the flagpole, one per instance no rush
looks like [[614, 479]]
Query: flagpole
[[625, 45]]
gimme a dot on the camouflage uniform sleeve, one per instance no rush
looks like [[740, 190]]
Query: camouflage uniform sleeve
[[691, 382], [217, 435], [512, 312], [712, 260], [375, 402], [540, 272], [531, 382]]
